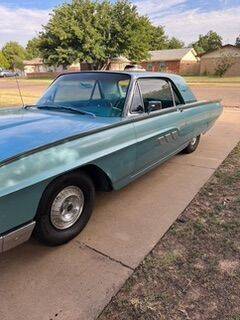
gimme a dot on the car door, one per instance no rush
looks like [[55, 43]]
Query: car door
[[158, 128]]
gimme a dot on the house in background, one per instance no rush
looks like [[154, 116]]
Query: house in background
[[181, 61], [34, 65], [117, 63], [36, 68], [211, 60]]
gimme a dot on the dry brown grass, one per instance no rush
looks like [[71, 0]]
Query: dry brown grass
[[194, 271]]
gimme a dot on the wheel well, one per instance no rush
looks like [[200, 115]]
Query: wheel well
[[100, 179]]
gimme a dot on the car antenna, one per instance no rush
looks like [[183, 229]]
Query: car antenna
[[19, 90]]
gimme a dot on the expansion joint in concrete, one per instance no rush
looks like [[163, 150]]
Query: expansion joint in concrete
[[105, 255]]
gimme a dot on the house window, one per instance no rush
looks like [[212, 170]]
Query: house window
[[149, 67], [162, 66]]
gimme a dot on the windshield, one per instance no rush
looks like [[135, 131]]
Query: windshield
[[101, 94]]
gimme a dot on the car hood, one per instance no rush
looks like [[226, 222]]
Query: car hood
[[22, 130]]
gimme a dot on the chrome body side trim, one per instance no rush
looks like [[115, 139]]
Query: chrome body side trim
[[1, 244], [16, 237]]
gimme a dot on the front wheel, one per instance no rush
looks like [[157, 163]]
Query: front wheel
[[192, 146], [64, 209]]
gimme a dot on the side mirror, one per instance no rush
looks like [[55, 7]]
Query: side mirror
[[140, 109], [153, 106]]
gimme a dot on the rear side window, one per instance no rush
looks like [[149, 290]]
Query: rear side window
[[158, 90]]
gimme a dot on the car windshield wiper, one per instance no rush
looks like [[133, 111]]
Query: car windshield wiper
[[59, 107]]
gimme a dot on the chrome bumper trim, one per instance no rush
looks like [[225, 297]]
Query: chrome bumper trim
[[16, 237]]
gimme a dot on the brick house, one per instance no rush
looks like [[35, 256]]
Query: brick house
[[117, 63], [211, 60], [36, 68], [181, 61]]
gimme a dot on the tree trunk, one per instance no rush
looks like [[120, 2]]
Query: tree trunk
[[106, 64]]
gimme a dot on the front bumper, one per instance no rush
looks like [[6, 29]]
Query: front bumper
[[16, 237]]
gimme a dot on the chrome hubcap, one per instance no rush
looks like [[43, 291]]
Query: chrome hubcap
[[67, 207], [193, 141]]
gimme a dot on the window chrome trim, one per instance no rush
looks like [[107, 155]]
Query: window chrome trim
[[142, 116], [173, 97], [153, 113], [1, 244], [130, 113]]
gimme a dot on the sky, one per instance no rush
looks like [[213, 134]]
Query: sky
[[21, 20]]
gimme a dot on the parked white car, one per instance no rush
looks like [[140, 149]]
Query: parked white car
[[7, 73]]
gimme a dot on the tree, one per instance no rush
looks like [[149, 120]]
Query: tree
[[32, 48], [175, 43], [208, 42], [238, 42], [3, 61], [95, 32], [129, 33], [15, 54], [159, 40]]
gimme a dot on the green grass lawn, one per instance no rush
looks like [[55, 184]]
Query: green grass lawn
[[212, 80]]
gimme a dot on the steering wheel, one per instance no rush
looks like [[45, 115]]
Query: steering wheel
[[115, 109], [116, 104]]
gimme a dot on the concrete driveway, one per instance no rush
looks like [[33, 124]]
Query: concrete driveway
[[228, 93], [77, 280]]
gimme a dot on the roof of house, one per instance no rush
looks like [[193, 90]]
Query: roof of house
[[35, 61], [217, 52], [170, 54], [120, 59]]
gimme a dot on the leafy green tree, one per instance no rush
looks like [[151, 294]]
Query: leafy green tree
[[238, 42], [208, 42], [4, 64], [175, 43], [15, 54], [159, 40], [32, 48], [95, 32], [130, 32]]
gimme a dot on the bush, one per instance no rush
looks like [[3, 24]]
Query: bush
[[225, 62]]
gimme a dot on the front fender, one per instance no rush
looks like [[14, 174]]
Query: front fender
[[23, 181]]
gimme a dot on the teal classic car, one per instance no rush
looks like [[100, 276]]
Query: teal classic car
[[89, 131]]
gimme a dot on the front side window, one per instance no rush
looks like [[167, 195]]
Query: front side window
[[102, 94], [157, 91]]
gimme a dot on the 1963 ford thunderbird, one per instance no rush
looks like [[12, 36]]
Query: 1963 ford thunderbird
[[90, 131]]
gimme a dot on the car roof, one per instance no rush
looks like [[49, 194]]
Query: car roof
[[132, 74]]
